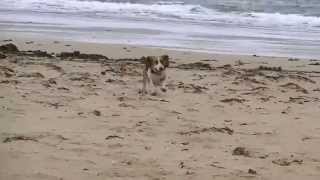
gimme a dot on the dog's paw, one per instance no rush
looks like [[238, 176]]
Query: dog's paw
[[163, 89]]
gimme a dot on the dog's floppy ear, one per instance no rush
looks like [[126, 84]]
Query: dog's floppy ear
[[165, 60], [148, 61]]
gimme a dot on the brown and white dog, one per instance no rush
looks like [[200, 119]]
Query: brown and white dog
[[154, 73]]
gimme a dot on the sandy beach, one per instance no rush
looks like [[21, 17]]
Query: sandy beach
[[80, 116]]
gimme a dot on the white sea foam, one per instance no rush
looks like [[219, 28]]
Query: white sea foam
[[161, 10]]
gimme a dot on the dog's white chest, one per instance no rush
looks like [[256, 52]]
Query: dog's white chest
[[157, 79]]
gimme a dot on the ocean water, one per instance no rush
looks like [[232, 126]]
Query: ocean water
[[289, 28]]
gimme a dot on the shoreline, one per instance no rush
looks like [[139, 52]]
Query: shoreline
[[119, 51], [114, 50], [88, 40]]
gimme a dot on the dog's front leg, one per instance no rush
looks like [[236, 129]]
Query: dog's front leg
[[163, 86], [163, 83], [154, 88], [145, 81]]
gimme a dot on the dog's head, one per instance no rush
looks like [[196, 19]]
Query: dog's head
[[156, 64]]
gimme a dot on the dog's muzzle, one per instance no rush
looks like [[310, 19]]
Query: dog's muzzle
[[157, 72]]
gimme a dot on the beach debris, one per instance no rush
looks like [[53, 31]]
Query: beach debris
[[52, 81], [250, 79], [116, 81], [197, 88], [231, 100], [195, 66], [243, 124], [181, 165], [78, 55], [29, 42], [241, 151], [199, 77], [81, 77], [56, 105], [293, 59], [31, 75], [127, 105], [9, 82], [226, 66], [49, 82], [36, 53], [303, 99], [210, 129], [274, 77], [260, 88], [7, 72], [294, 86], [256, 91], [266, 98], [229, 72], [2, 56], [96, 113], [299, 100], [125, 68], [54, 67], [306, 138], [63, 88], [267, 68], [286, 110], [251, 171], [34, 137], [316, 90], [140, 123], [19, 138], [122, 98], [185, 143], [315, 64], [113, 137], [190, 173], [214, 164], [286, 161], [9, 48], [301, 78], [127, 162], [161, 100], [192, 88], [209, 60]]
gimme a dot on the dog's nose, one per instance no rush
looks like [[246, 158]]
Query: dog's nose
[[161, 68]]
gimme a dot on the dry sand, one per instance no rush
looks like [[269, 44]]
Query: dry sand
[[222, 117]]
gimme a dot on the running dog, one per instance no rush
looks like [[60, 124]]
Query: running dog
[[154, 73]]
